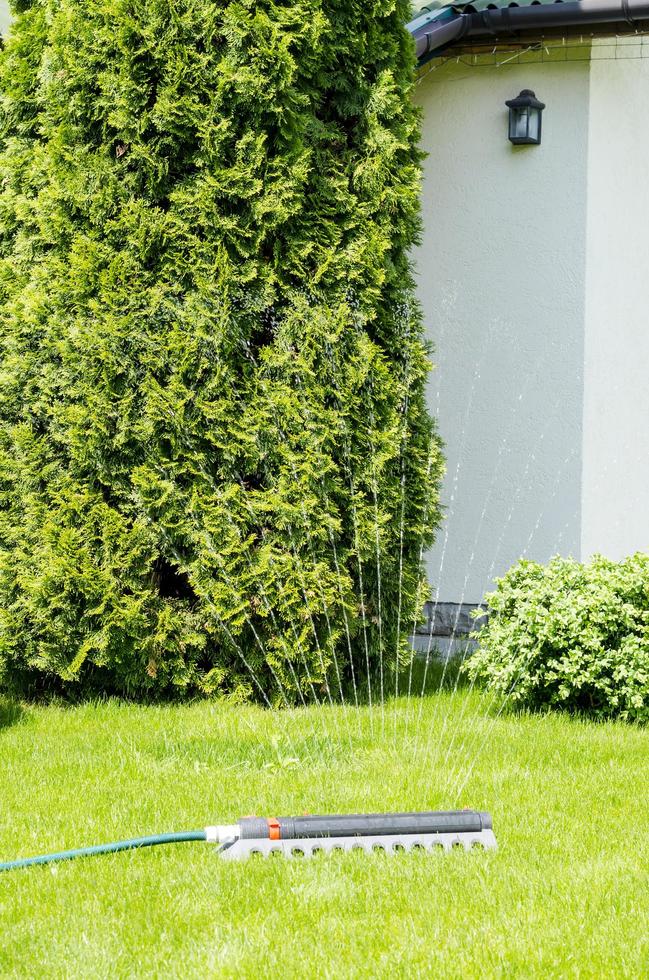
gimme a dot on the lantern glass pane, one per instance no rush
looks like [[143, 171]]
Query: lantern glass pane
[[519, 123], [534, 123]]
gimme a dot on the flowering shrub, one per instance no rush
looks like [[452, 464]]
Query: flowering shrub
[[570, 635]]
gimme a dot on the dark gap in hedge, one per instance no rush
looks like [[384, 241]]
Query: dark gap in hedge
[[171, 583]]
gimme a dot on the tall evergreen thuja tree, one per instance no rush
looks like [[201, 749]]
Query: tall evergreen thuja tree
[[217, 472]]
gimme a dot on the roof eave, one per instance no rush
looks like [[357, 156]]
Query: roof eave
[[434, 34]]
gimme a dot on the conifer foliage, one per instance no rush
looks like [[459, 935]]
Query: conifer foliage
[[217, 472]]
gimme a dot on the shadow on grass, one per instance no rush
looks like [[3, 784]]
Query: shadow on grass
[[416, 681], [434, 678], [10, 713], [426, 676]]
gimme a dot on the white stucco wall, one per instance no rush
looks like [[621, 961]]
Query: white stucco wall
[[501, 272], [5, 17], [616, 394]]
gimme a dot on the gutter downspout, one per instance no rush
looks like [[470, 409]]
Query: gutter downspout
[[433, 31]]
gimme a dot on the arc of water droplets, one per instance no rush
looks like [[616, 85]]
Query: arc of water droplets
[[377, 543], [446, 536], [356, 538], [249, 354], [543, 510], [404, 436], [432, 451], [476, 375], [308, 606], [539, 367], [515, 499], [406, 315], [357, 548], [459, 784], [603, 472], [471, 727], [304, 591], [270, 611], [322, 596], [236, 644], [306, 601], [460, 717], [377, 548]]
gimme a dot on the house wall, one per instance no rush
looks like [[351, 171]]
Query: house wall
[[501, 276], [616, 395], [5, 17]]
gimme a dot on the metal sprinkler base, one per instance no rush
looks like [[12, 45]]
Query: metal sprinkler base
[[388, 843]]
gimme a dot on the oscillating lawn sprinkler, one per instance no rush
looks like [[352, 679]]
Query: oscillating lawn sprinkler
[[309, 835], [392, 832]]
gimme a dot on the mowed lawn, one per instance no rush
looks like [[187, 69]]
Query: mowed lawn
[[566, 895]]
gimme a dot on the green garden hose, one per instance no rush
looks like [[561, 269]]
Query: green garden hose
[[120, 845]]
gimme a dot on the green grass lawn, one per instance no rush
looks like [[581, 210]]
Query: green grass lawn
[[566, 895]]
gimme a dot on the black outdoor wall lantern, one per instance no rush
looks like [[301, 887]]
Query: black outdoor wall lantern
[[525, 118]]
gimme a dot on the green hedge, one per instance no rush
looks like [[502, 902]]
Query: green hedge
[[570, 635], [212, 370]]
